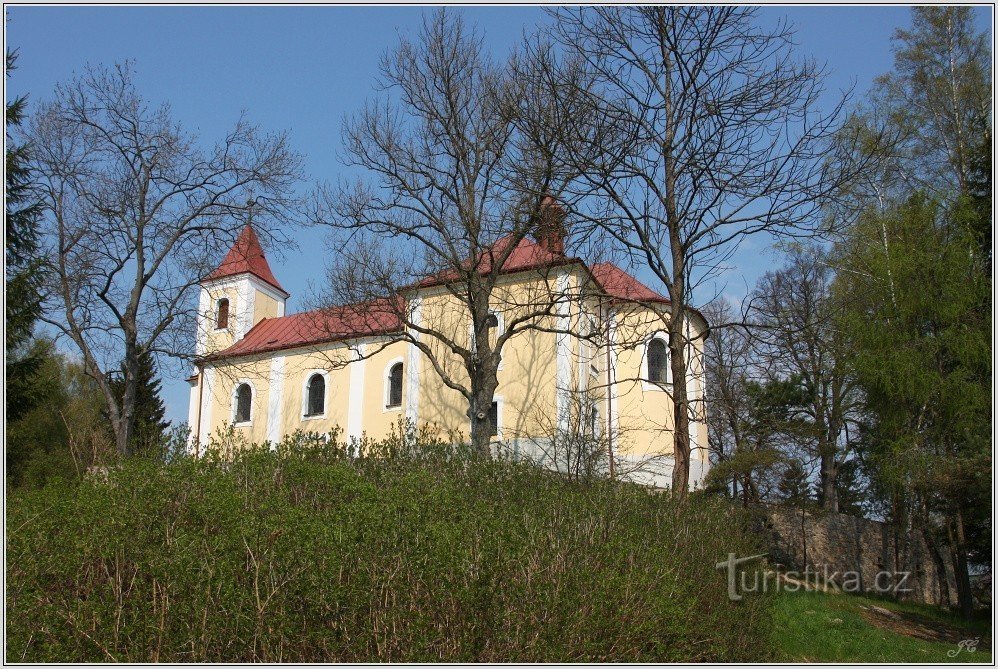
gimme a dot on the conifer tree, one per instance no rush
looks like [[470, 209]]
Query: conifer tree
[[23, 265], [150, 426]]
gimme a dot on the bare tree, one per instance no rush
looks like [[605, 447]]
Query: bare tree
[[728, 359], [714, 130], [462, 159], [797, 335], [134, 209]]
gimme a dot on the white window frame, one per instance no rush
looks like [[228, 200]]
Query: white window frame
[[500, 330], [304, 395], [645, 376], [228, 316], [235, 402], [386, 383]]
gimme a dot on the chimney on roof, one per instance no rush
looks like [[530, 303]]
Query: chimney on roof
[[549, 228]]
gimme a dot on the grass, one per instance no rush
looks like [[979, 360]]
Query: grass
[[824, 627]]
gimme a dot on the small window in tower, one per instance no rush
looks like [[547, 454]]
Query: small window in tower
[[395, 386], [222, 314]]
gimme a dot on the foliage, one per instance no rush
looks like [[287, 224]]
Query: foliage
[[64, 432], [306, 554], [23, 272], [149, 428]]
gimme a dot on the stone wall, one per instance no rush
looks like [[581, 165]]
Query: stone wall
[[866, 553]]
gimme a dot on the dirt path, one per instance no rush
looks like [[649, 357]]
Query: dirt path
[[920, 627]]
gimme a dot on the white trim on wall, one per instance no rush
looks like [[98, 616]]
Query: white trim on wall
[[203, 321], [206, 401], [192, 410], [304, 394], [274, 397], [500, 406], [563, 376], [355, 402], [411, 397]]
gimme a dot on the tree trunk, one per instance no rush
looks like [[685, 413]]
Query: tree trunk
[[680, 404], [829, 470], [958, 540]]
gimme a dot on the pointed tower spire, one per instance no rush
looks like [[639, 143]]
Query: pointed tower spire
[[246, 256]]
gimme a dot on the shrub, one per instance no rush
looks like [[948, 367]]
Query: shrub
[[303, 554]]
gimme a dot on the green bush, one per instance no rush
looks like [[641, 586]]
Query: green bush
[[305, 555]]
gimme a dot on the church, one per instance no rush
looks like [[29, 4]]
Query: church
[[266, 374]]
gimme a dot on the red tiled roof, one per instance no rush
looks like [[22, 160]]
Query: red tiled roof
[[618, 283], [246, 255], [527, 254], [316, 327], [380, 317]]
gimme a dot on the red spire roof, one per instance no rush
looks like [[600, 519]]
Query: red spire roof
[[246, 255]]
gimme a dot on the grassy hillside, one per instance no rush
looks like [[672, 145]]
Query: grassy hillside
[[312, 557], [820, 627]]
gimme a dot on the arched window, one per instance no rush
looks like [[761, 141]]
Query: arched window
[[244, 403], [658, 361], [395, 386], [222, 314], [316, 396]]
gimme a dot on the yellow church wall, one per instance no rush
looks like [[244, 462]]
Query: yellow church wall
[[227, 376], [298, 367], [264, 306], [533, 366], [645, 417], [220, 338], [378, 419]]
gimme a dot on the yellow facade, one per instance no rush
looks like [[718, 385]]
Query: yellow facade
[[543, 374]]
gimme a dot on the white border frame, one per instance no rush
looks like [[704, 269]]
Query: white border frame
[[663, 337], [254, 396], [228, 315], [325, 395], [500, 405], [387, 386]]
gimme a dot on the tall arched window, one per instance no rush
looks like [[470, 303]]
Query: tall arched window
[[658, 361], [244, 403], [222, 314], [395, 386], [316, 396]]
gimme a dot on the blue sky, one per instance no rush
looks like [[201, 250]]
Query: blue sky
[[301, 69]]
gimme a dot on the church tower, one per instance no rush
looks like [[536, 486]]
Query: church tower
[[240, 293]]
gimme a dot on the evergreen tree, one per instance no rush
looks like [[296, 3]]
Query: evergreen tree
[[23, 304], [149, 432], [794, 487], [923, 358]]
